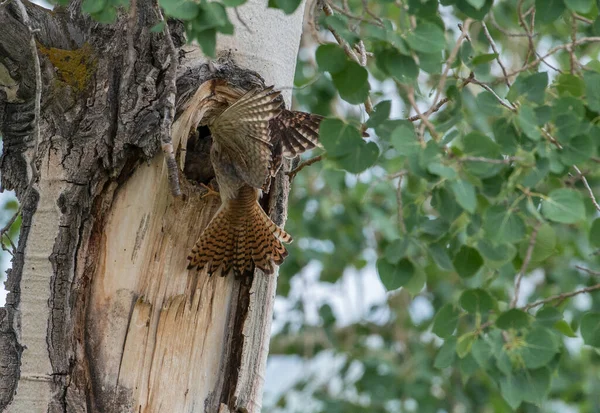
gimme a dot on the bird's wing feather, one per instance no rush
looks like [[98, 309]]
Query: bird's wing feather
[[243, 128], [297, 132]]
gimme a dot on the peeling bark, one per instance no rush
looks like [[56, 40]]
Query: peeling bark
[[102, 315]]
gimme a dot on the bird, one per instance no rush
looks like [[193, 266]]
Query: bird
[[250, 139]]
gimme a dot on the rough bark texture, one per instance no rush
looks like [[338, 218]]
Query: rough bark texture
[[101, 315]]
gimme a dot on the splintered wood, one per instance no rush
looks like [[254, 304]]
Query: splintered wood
[[173, 324]]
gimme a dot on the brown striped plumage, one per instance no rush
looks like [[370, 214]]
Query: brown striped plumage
[[296, 131], [239, 237], [249, 139]]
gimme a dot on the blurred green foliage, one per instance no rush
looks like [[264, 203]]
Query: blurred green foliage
[[489, 188]]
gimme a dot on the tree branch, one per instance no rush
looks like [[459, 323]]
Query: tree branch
[[560, 297], [521, 273]]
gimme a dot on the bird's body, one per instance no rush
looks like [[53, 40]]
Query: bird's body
[[250, 137]]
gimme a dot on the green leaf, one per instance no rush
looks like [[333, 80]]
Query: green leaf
[[465, 195], [533, 87], [545, 244], [503, 225], [477, 3], [381, 112], [464, 344], [592, 90], [442, 170], [590, 329], [430, 62], [395, 276], [488, 104], [352, 83], [577, 150], [548, 11], [496, 253], [467, 262], [363, 156], [484, 58], [427, 38], [208, 41], [400, 66], [568, 84], [93, 6], [527, 120], [477, 301], [564, 206], [416, 283], [506, 136], [525, 385], [338, 138], [446, 354], [180, 9], [288, 6], [475, 13], [108, 15], [513, 319], [564, 327], [445, 321], [540, 347], [233, 3], [548, 316], [345, 146], [158, 27], [440, 256], [396, 250], [580, 6], [331, 58], [482, 353], [595, 233], [405, 140]]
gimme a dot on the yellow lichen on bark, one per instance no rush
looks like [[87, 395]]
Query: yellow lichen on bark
[[74, 67]]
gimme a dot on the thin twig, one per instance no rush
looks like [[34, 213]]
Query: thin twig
[[571, 50], [495, 50], [424, 119], [355, 17], [363, 53], [431, 110], [449, 62], [504, 161], [370, 13], [583, 19], [524, 266], [561, 297], [534, 63], [293, 172], [401, 222], [6, 228], [587, 186], [347, 49], [503, 30], [587, 270], [471, 79], [551, 138]]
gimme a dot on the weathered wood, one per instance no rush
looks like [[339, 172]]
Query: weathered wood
[[102, 314]]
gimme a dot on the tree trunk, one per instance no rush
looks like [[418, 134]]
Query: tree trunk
[[102, 315]]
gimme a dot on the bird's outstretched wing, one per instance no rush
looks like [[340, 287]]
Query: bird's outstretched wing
[[296, 132], [243, 131]]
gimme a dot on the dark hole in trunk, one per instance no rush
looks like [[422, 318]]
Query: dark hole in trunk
[[198, 167]]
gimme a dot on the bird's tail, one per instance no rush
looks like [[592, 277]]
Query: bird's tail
[[240, 237]]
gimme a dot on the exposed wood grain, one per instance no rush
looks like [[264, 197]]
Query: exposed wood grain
[[102, 315]]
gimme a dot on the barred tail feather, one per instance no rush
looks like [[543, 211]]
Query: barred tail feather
[[239, 238]]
